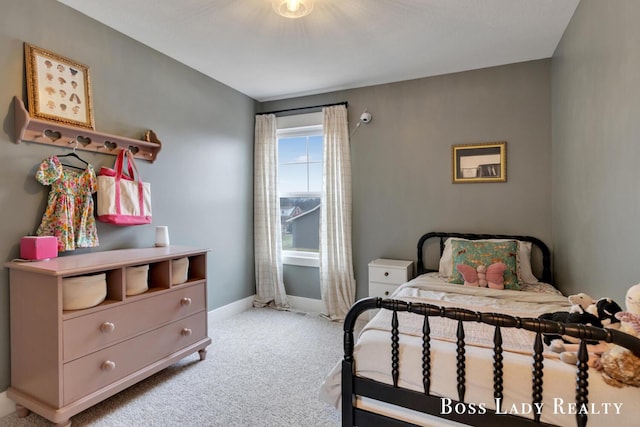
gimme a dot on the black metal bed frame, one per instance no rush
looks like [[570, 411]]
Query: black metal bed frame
[[353, 386]]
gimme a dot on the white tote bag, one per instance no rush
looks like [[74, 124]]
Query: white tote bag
[[123, 199]]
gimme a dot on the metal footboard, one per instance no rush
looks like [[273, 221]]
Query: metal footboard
[[353, 386]]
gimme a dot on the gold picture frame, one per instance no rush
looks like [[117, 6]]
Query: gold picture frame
[[58, 88], [485, 162]]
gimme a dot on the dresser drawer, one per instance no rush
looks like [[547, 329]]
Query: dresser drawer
[[86, 334], [381, 290], [92, 372]]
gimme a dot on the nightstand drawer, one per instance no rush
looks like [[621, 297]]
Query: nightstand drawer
[[387, 275], [381, 290]]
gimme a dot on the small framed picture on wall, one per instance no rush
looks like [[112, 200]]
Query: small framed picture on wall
[[58, 88], [485, 162]]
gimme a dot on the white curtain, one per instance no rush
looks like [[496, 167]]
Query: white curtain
[[336, 266], [266, 216]]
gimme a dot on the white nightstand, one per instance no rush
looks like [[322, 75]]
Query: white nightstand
[[385, 275]]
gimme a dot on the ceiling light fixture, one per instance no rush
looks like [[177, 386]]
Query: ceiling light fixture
[[293, 8]]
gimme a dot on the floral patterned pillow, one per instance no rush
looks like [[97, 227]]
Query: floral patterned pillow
[[486, 253]]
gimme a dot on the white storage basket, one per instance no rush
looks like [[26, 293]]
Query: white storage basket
[[137, 279], [179, 271], [83, 291]]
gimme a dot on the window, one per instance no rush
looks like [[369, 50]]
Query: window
[[300, 186]]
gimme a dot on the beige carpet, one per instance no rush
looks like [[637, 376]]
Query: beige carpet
[[264, 368]]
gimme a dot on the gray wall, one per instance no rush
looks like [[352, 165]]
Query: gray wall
[[202, 181], [596, 149], [402, 159]]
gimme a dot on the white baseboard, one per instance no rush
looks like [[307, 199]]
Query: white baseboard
[[309, 305], [7, 406], [229, 310]]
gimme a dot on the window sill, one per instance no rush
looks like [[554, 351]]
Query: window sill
[[301, 259]]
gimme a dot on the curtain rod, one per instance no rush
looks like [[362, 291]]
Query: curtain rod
[[345, 103]]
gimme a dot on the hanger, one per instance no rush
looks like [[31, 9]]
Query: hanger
[[73, 154]]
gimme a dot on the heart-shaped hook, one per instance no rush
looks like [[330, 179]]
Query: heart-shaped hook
[[83, 140], [110, 145], [134, 150], [53, 135]]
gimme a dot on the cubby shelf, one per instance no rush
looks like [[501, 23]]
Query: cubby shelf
[[61, 135]]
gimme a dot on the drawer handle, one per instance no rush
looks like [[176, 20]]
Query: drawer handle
[[108, 366], [386, 293], [386, 273], [107, 327], [185, 332], [185, 302]]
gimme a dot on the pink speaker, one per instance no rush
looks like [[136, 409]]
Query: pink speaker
[[38, 247]]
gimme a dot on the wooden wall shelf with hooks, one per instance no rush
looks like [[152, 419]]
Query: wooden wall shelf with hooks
[[61, 135]]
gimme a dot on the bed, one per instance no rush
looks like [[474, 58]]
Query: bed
[[438, 353]]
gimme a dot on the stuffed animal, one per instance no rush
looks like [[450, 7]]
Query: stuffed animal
[[492, 276], [619, 367], [580, 302], [567, 317], [605, 309], [631, 318]]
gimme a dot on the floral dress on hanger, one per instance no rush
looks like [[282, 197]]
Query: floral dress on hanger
[[69, 213]]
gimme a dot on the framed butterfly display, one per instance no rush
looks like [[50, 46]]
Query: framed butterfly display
[[486, 162], [58, 88]]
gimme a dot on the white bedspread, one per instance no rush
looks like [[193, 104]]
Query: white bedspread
[[373, 357]]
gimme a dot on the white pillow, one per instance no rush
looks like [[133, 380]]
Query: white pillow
[[524, 255]]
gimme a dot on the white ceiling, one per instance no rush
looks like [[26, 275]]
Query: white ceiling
[[343, 44]]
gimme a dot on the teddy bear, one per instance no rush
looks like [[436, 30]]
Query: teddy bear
[[618, 366]]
